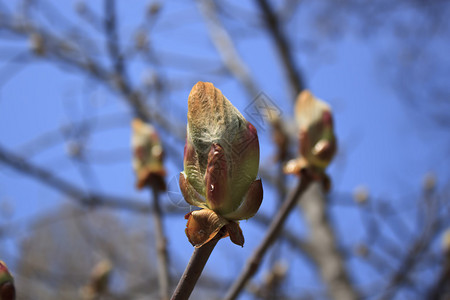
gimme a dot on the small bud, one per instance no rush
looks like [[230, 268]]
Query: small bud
[[80, 7], [153, 9], [37, 43], [276, 274], [148, 156], [221, 161], [317, 140], [99, 280], [362, 250], [446, 242], [429, 182], [361, 195], [141, 40], [74, 148], [7, 289]]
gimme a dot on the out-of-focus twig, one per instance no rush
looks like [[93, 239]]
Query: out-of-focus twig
[[71, 54], [413, 256], [224, 45], [291, 238], [441, 288], [89, 199], [272, 234], [161, 247], [328, 258], [274, 26], [113, 37]]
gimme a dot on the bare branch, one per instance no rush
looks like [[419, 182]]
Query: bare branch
[[442, 284], [281, 42], [286, 234], [412, 258], [225, 47], [72, 55], [271, 236], [113, 37], [195, 268], [85, 198], [161, 247]]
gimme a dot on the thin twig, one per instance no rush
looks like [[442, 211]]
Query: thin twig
[[289, 236], [161, 245], [431, 227], [82, 61], [273, 25], [410, 261], [194, 269], [272, 234], [441, 287], [113, 37], [85, 198], [225, 47]]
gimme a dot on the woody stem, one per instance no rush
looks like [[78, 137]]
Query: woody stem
[[194, 268], [161, 244]]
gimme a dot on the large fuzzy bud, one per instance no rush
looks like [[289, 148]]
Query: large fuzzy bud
[[221, 161]]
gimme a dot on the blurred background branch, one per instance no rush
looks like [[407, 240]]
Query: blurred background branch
[[72, 78]]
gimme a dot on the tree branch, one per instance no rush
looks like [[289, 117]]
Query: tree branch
[[161, 247], [409, 262], [328, 258], [85, 198], [274, 27], [113, 37], [272, 234], [290, 237], [71, 55], [441, 288], [194, 269], [224, 45]]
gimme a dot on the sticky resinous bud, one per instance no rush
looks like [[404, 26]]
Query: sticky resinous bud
[[148, 156], [221, 162], [317, 141]]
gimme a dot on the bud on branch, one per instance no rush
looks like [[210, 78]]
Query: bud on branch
[[147, 156], [221, 162], [317, 139]]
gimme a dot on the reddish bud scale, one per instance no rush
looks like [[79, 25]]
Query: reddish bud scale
[[216, 177]]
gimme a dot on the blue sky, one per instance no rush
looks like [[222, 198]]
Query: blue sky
[[382, 145]]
